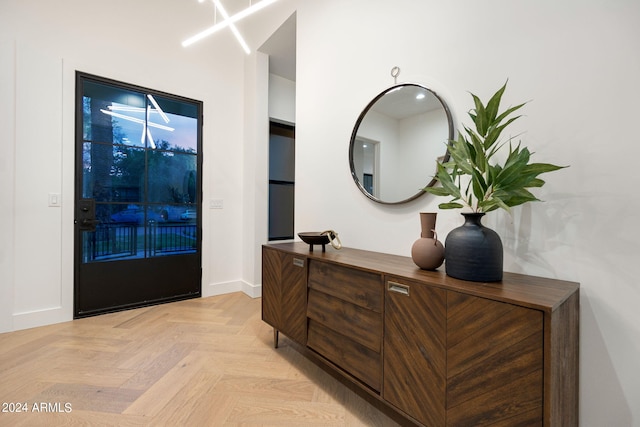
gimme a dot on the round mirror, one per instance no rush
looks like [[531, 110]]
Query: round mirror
[[396, 142]]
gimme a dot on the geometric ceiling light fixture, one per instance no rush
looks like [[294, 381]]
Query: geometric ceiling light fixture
[[229, 22], [233, 27]]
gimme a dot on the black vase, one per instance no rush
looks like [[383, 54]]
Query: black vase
[[473, 252]]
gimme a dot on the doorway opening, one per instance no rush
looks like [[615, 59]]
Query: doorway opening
[[281, 181]]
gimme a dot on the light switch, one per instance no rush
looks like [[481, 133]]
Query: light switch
[[54, 200]]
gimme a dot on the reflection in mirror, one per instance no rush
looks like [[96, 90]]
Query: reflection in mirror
[[396, 141]]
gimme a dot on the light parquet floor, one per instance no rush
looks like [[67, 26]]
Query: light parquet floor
[[201, 362]]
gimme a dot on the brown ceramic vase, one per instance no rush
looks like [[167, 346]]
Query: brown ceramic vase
[[428, 252]]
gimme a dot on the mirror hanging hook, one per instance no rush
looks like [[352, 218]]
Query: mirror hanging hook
[[395, 72]]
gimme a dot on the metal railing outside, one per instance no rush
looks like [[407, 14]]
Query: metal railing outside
[[172, 238], [110, 241], [120, 241]]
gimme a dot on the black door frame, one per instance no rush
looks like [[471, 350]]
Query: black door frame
[[165, 273]]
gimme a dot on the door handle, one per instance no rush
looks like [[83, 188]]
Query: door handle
[[87, 215], [87, 224]]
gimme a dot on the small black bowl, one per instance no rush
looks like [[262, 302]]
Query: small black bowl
[[314, 238]]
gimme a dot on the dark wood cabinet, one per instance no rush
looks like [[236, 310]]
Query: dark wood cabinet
[[433, 350], [284, 294]]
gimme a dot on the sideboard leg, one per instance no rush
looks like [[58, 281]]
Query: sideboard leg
[[275, 338]]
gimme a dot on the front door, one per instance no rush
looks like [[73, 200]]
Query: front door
[[138, 196]]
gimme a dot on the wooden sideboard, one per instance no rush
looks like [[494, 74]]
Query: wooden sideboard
[[429, 349]]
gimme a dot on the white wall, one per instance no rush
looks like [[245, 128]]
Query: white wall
[[7, 181], [282, 99], [38, 152], [255, 191], [578, 63]]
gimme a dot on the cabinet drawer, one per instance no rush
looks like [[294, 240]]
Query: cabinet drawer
[[359, 324], [359, 287], [354, 358]]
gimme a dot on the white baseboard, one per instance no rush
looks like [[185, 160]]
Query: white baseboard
[[35, 318], [212, 289]]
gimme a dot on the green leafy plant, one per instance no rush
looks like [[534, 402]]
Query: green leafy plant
[[471, 177]]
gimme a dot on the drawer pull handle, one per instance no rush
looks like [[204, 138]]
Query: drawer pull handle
[[298, 262], [398, 288]]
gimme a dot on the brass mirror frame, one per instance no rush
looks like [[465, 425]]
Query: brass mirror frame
[[359, 122]]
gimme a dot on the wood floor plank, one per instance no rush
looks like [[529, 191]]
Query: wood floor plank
[[84, 397], [257, 387], [163, 391], [202, 362], [158, 367], [274, 412]]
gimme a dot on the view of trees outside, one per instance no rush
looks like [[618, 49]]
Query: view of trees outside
[[139, 164]]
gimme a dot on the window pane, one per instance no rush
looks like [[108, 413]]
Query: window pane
[[173, 125], [113, 173], [172, 177], [118, 235], [113, 115], [179, 135]]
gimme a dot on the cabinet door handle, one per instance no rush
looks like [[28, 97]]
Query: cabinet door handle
[[298, 262], [398, 288]]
